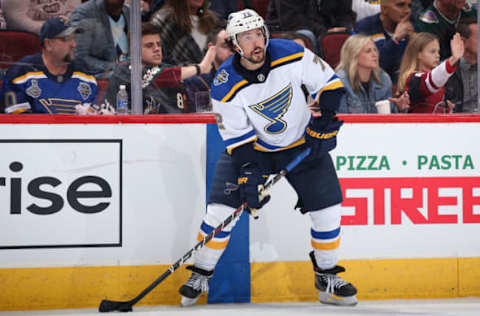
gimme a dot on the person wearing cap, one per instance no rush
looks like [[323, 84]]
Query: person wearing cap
[[49, 82]]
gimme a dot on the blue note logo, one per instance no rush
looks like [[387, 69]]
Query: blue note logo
[[274, 108]]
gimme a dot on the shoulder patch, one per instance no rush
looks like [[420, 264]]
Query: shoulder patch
[[222, 77], [429, 17]]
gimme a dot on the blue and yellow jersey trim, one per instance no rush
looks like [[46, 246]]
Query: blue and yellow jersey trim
[[282, 52], [260, 145], [233, 143], [84, 77], [28, 76]]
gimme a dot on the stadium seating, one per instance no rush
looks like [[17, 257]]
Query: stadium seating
[[260, 6], [14, 45], [330, 46]]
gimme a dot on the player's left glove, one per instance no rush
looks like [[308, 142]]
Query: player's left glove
[[321, 134], [251, 181]]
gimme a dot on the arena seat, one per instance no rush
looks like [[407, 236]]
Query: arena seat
[[260, 6], [14, 45], [330, 45]]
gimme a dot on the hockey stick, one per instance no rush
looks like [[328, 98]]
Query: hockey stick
[[126, 306]]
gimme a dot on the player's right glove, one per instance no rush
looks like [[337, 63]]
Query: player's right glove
[[251, 181], [321, 134]]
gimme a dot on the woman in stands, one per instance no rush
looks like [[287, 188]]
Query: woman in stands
[[183, 26], [424, 77], [365, 82]]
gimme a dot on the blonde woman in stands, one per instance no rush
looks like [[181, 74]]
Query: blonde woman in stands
[[423, 76], [183, 26], [365, 82]]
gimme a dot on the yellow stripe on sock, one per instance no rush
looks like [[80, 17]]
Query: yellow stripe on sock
[[217, 245], [326, 246]]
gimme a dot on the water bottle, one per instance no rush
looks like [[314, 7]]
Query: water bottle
[[122, 100]]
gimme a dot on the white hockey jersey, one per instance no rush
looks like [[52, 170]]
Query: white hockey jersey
[[273, 110]]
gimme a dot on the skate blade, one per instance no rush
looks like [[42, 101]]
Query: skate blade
[[186, 302], [326, 298]]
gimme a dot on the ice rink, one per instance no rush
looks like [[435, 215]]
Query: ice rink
[[443, 307]]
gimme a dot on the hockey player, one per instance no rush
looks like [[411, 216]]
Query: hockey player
[[266, 123]]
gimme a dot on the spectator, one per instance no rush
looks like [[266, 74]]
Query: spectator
[[29, 16], [442, 18], [423, 77], [365, 82], [104, 38], [305, 16], [198, 87], [49, 82], [183, 27], [390, 30], [364, 8], [224, 7], [418, 6], [158, 77], [462, 87]]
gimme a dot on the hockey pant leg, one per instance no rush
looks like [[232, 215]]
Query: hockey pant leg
[[207, 257], [325, 234]]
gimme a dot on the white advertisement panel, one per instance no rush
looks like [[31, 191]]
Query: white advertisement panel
[[410, 191], [60, 193], [100, 194]]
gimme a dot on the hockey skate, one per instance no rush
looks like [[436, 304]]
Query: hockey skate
[[195, 285], [331, 288]]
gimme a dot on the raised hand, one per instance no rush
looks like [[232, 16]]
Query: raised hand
[[457, 47], [403, 29], [207, 61]]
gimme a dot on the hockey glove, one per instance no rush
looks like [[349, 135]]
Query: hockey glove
[[251, 181], [321, 134]]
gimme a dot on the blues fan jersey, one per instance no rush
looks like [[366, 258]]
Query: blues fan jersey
[[29, 84], [272, 109]]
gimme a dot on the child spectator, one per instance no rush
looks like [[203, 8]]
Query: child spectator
[[423, 77]]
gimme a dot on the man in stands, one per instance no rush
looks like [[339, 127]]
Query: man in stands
[[390, 30], [462, 87], [198, 87], [161, 83], [49, 82], [442, 18], [104, 37]]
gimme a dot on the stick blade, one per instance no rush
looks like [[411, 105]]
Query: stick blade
[[110, 306]]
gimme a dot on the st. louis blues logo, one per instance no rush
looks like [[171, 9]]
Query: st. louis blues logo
[[274, 108]]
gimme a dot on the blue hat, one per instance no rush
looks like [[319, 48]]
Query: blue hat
[[55, 27]]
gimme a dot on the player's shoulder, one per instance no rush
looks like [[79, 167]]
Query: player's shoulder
[[227, 82], [81, 76], [284, 51], [26, 68]]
